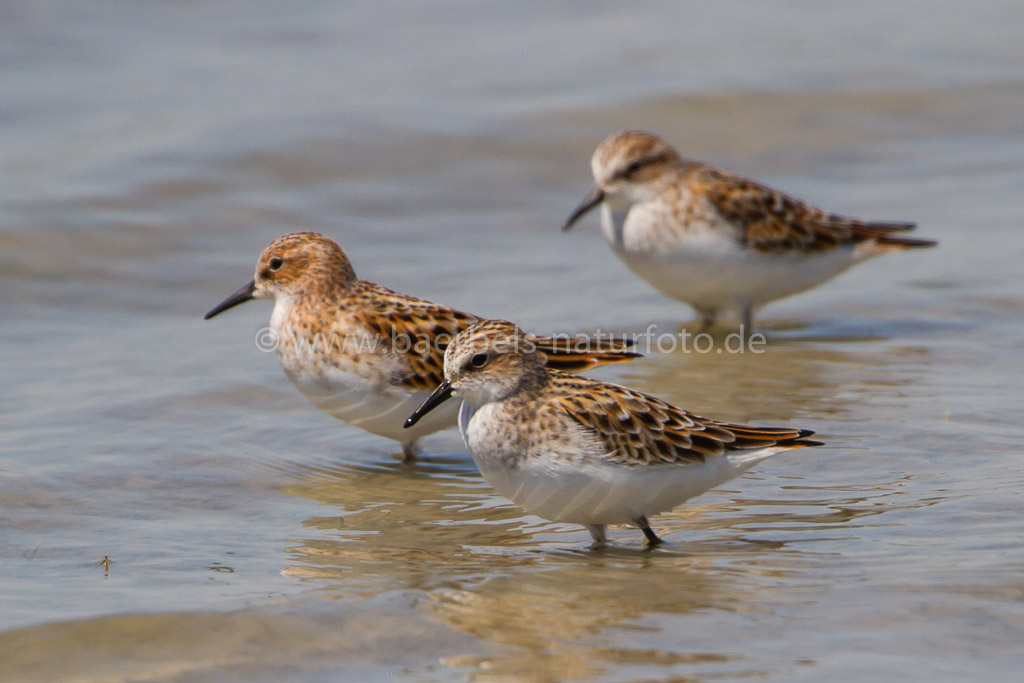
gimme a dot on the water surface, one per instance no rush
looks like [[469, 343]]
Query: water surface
[[150, 151]]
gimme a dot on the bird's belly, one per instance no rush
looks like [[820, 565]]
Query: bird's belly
[[378, 408], [570, 480], [711, 275], [601, 493]]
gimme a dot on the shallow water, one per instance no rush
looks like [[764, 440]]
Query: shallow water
[[149, 152]]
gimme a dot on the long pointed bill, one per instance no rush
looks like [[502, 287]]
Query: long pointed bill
[[439, 396], [592, 200], [239, 297]]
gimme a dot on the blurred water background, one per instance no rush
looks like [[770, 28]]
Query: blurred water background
[[148, 152]]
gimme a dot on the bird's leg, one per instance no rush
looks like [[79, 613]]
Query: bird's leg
[[747, 317], [409, 452], [708, 317], [599, 533], [652, 539]]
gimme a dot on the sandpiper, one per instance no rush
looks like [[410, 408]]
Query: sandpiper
[[716, 240], [363, 353], [577, 450]]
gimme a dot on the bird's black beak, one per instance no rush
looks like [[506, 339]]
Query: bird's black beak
[[439, 396], [239, 297], [592, 200]]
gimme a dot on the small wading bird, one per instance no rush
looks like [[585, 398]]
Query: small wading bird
[[716, 240], [363, 353], [576, 450]]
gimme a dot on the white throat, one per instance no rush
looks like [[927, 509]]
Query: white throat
[[283, 305]]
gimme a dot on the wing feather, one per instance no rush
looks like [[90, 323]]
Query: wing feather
[[639, 429], [419, 331], [770, 221]]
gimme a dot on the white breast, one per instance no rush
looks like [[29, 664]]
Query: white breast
[[705, 266], [342, 376], [378, 409], [576, 484]]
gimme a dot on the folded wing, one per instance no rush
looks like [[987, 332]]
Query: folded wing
[[639, 429], [769, 221], [419, 331]]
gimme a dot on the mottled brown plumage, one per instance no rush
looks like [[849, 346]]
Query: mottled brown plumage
[[419, 331], [768, 220], [360, 351], [572, 449], [716, 240], [640, 429]]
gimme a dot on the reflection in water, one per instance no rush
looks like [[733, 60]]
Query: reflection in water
[[132, 430], [550, 609], [414, 526], [575, 613]]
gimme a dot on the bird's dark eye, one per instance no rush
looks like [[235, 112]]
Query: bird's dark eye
[[479, 360], [634, 167], [275, 263]]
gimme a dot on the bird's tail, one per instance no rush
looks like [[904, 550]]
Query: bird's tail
[[899, 242], [888, 235], [575, 354], [761, 437]]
